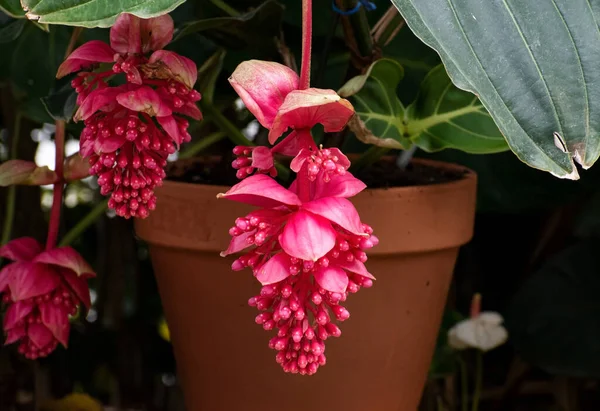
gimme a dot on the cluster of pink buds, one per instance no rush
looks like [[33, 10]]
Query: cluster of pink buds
[[40, 291], [306, 244], [131, 129]]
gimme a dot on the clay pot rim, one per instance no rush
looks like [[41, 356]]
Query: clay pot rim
[[463, 181]]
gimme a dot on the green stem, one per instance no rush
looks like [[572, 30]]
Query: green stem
[[226, 8], [478, 380], [360, 27], [84, 223], [464, 395], [234, 133], [372, 155], [12, 190], [192, 150]]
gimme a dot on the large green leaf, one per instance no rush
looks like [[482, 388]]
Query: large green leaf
[[535, 65], [12, 8], [94, 13], [553, 319], [442, 116], [257, 27], [381, 116]]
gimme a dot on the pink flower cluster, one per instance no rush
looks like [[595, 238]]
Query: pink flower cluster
[[40, 291], [306, 243], [130, 129]]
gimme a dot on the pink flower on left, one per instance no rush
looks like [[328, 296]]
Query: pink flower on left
[[130, 129], [40, 290]]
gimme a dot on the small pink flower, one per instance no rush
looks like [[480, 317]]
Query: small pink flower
[[131, 129], [40, 290]]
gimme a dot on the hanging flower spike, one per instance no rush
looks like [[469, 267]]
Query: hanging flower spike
[[307, 243], [131, 129], [295, 242], [482, 331], [41, 290]]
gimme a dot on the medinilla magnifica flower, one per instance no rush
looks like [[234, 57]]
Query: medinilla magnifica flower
[[307, 242], [40, 291], [131, 129], [308, 253]]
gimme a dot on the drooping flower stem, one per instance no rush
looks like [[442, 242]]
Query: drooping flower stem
[[59, 143], [306, 44], [54, 224]]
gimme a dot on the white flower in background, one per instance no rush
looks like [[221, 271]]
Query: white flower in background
[[483, 330]]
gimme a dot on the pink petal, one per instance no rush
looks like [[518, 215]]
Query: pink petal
[[7, 275], [263, 87], [99, 99], [130, 34], [190, 110], [144, 99], [15, 313], [292, 144], [302, 109], [14, 334], [21, 249], [39, 335], [342, 159], [68, 258], [262, 158], [169, 124], [354, 266], [56, 319], [92, 52], [307, 236], [108, 144], [332, 279], [125, 34], [345, 186], [337, 210], [86, 147], [274, 270], [263, 191], [176, 66], [32, 280], [300, 159], [156, 32], [79, 286], [238, 244]]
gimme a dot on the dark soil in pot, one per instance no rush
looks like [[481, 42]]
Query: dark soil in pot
[[382, 174]]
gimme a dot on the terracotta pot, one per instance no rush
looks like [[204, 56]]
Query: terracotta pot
[[380, 363]]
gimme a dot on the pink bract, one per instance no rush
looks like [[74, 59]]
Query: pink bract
[[41, 289]]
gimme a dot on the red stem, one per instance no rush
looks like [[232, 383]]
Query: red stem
[[59, 143], [54, 224], [306, 44]]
